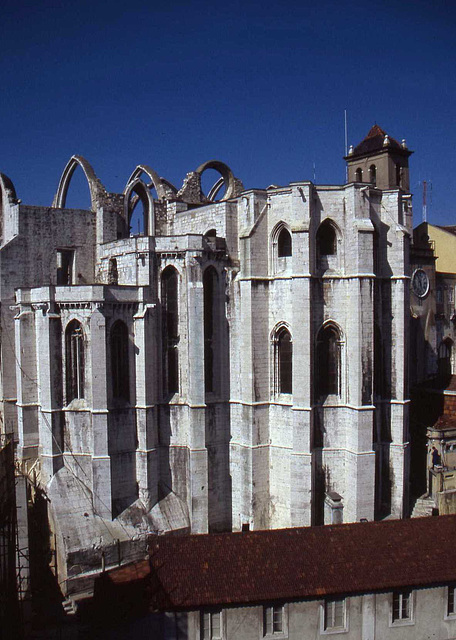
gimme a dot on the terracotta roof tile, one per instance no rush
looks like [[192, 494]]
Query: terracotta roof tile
[[192, 571], [374, 142]]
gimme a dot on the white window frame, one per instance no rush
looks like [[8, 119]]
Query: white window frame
[[270, 612], [450, 598], [327, 626], [401, 594], [211, 613]]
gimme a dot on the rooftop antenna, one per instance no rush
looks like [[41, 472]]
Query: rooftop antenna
[[346, 144], [424, 201], [315, 180]]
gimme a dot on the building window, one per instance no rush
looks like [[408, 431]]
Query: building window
[[210, 282], [451, 611], [65, 259], [211, 625], [283, 361], [113, 274], [120, 361], [402, 605], [358, 175], [334, 614], [284, 243], [74, 358], [326, 239], [273, 620], [398, 175], [170, 320], [373, 174], [444, 360], [328, 361]]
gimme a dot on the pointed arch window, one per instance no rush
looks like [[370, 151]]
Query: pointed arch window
[[74, 359], [210, 285], [120, 361], [284, 245], [170, 320], [326, 239], [283, 361], [328, 362]]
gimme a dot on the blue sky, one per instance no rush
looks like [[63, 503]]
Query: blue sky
[[260, 86]]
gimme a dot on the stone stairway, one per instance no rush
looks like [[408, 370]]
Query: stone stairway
[[424, 506]]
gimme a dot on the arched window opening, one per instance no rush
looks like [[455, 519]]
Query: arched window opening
[[169, 291], [326, 240], [120, 361], [283, 361], [74, 358], [328, 362], [444, 361], [210, 281], [113, 275], [358, 175], [284, 246], [373, 174], [398, 175]]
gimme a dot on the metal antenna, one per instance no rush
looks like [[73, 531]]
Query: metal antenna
[[424, 201], [346, 144]]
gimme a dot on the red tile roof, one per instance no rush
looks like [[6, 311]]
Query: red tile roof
[[373, 142], [191, 571]]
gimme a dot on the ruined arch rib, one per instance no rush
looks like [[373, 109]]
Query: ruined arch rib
[[7, 190], [95, 187], [227, 176], [140, 188], [156, 181]]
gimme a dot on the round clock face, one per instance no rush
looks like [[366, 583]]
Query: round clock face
[[420, 283]]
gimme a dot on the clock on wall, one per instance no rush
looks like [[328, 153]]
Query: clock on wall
[[420, 283]]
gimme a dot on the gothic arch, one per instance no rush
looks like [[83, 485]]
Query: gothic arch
[[227, 178], [143, 193], [95, 187], [155, 180], [329, 360], [282, 359], [328, 233], [281, 246], [7, 190]]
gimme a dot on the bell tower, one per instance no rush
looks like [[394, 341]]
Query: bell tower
[[379, 160]]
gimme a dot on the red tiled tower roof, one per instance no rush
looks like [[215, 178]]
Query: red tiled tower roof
[[373, 143]]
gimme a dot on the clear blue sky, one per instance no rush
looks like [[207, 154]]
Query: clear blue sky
[[261, 86]]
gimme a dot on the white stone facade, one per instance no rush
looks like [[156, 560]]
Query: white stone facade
[[176, 451]]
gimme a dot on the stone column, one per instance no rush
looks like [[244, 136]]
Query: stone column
[[101, 463], [301, 458], [26, 383], [198, 472], [49, 364], [147, 459]]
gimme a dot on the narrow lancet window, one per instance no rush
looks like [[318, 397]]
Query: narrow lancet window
[[210, 280], [120, 361], [283, 361], [169, 289], [74, 356], [328, 362]]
